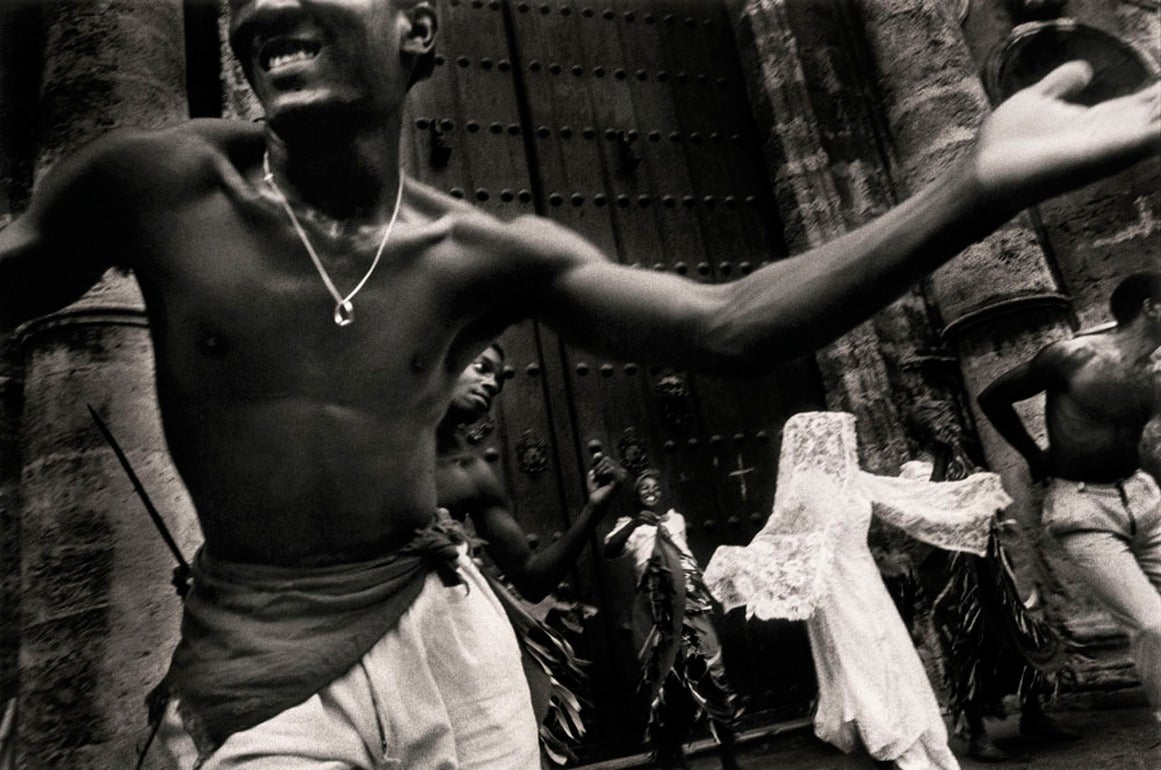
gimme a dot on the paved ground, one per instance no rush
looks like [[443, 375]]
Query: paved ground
[[1118, 733], [1114, 739]]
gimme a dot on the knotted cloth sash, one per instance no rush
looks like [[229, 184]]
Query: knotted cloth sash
[[257, 640]]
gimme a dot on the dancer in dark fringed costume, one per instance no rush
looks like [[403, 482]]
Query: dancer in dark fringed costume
[[557, 676], [992, 644], [678, 648]]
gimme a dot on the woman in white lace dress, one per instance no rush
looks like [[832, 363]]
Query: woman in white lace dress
[[811, 562]]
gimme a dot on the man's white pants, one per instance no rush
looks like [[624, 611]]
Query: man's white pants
[[1112, 532], [443, 690]]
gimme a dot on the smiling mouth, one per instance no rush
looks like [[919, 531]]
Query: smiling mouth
[[286, 51]]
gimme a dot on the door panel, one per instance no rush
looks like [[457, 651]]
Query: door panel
[[468, 140]]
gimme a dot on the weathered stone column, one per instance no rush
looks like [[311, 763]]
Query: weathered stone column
[[238, 101], [853, 370], [999, 299], [19, 79], [99, 615]]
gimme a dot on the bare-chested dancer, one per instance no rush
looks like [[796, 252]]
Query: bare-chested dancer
[[308, 447], [469, 489], [1100, 394]]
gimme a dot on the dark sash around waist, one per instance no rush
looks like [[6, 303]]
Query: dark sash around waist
[[257, 640]]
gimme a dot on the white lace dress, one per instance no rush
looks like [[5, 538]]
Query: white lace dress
[[811, 562]]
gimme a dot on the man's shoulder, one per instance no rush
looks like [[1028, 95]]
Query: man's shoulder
[[527, 247], [222, 131], [436, 203], [128, 170], [199, 135], [128, 156], [462, 221], [1073, 352], [524, 233], [466, 221]]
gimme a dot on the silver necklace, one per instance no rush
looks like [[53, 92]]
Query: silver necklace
[[344, 310]]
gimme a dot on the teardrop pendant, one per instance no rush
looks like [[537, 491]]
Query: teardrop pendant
[[344, 313], [344, 310]]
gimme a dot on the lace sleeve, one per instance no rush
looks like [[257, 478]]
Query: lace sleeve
[[955, 515], [775, 576], [783, 572]]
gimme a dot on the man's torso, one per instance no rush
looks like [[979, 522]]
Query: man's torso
[[1096, 417], [300, 441], [465, 482]]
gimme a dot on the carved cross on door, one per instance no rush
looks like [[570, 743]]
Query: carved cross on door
[[741, 473]]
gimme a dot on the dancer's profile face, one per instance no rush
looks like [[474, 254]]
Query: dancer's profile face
[[479, 384]]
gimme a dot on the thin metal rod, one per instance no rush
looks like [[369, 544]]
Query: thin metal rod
[[141, 493]]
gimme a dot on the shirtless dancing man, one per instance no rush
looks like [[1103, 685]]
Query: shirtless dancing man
[[303, 425], [1104, 510], [469, 488]]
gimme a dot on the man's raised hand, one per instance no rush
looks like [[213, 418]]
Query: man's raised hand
[[1036, 144], [604, 478]]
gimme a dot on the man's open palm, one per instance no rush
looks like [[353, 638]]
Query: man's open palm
[[1036, 144]]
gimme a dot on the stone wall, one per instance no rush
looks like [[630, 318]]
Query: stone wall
[[20, 56], [98, 617]]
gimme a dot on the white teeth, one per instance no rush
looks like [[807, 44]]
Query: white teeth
[[289, 58]]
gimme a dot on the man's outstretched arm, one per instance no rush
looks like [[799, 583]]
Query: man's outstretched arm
[[537, 574], [1033, 146]]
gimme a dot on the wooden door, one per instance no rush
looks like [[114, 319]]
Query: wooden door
[[628, 122]]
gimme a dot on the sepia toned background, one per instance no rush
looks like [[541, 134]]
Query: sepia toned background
[[700, 137]]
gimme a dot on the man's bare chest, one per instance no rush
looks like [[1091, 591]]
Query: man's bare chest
[[242, 305], [457, 479], [1112, 391]]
